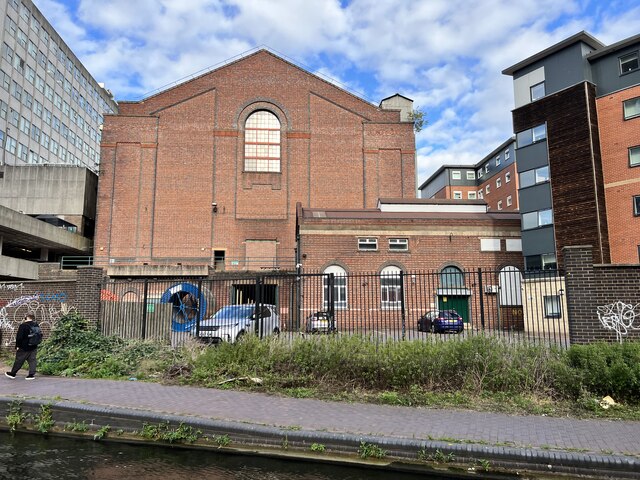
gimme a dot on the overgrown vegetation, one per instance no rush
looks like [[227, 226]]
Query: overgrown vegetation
[[163, 432], [478, 372]]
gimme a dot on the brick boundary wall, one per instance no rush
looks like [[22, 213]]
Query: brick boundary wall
[[87, 295], [591, 286]]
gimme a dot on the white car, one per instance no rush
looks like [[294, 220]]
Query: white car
[[231, 322]]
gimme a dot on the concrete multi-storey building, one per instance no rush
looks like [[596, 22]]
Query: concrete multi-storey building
[[493, 179], [207, 174], [51, 115], [576, 120]]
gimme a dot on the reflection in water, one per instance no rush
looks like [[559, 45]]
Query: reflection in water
[[38, 457]]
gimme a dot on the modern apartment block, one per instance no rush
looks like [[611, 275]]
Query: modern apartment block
[[577, 126], [51, 115], [493, 179]]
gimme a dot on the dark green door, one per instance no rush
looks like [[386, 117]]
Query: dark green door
[[459, 303]]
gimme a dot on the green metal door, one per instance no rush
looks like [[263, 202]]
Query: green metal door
[[458, 303]]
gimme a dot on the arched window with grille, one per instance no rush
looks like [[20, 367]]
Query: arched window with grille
[[390, 291], [339, 287], [262, 142], [451, 277]]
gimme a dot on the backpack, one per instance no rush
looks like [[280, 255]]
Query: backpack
[[35, 335]]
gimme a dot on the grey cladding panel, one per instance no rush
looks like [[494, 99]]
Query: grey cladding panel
[[606, 72], [538, 241], [535, 198], [532, 156]]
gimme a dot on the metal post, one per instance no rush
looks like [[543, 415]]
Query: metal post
[[481, 292], [331, 300], [198, 307], [402, 306], [144, 308], [258, 308]]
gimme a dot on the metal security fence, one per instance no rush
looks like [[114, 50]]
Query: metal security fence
[[389, 306]]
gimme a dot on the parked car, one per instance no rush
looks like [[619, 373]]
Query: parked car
[[441, 321], [320, 322], [231, 322]]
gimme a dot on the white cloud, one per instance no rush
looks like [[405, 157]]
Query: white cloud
[[445, 54]]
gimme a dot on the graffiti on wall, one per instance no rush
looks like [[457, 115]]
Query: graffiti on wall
[[48, 308], [619, 317]]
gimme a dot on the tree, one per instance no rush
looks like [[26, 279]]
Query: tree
[[419, 120]]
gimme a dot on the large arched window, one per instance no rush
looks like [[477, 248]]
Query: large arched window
[[451, 277], [390, 291], [262, 142], [339, 287]]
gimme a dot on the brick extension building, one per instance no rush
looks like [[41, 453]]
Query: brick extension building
[[208, 173]]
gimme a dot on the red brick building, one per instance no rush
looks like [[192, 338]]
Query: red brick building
[[620, 148], [208, 173]]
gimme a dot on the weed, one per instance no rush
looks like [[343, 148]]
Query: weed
[[44, 421], [102, 432], [440, 457], [76, 427], [366, 450], [162, 432], [15, 416], [285, 443], [317, 447], [484, 464], [222, 440]]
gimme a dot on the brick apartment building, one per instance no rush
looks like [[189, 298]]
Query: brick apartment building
[[493, 179], [207, 174], [577, 125]]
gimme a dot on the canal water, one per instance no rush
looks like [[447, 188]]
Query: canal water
[[32, 456]]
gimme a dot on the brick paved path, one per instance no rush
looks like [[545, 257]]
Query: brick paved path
[[596, 436]]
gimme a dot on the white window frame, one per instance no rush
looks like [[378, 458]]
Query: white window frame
[[472, 196], [399, 244], [509, 201], [367, 244], [480, 173], [499, 204], [487, 189], [507, 154], [390, 288], [456, 175], [498, 161], [471, 175], [481, 194], [498, 182], [507, 177], [457, 195], [339, 287]]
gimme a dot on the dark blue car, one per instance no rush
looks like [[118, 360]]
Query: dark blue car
[[441, 321]]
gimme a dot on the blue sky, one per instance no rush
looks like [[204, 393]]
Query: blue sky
[[446, 55]]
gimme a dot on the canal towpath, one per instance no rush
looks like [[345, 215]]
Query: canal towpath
[[580, 445]]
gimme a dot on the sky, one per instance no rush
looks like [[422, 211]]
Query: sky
[[446, 55]]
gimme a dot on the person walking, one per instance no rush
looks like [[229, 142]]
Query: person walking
[[27, 339]]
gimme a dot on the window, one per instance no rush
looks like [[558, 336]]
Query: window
[[636, 205], [507, 154], [499, 204], [537, 219], [451, 277], [489, 244], [486, 168], [480, 194], [457, 195], [552, 306], [498, 161], [262, 142], [631, 108], [534, 177], [537, 91], [513, 244], [471, 175], [399, 244], [390, 287], [629, 62], [11, 145], [367, 243], [339, 287], [546, 261], [498, 182], [509, 201], [634, 156], [507, 177], [532, 135], [472, 195], [480, 173], [487, 189], [456, 175]]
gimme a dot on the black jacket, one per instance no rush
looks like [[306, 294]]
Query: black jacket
[[22, 337]]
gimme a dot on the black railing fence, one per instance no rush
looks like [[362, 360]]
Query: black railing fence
[[395, 306]]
